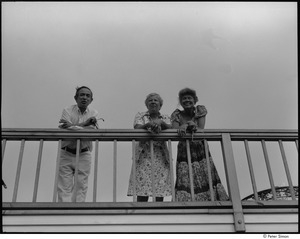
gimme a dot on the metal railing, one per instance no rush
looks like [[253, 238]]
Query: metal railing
[[117, 136]]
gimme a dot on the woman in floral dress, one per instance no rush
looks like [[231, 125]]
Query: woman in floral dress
[[154, 122], [191, 118]]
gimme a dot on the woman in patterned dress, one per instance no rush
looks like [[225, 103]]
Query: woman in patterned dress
[[154, 122], [191, 118]]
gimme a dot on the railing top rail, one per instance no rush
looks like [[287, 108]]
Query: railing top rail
[[169, 130], [130, 134]]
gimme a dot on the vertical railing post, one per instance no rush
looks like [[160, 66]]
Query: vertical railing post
[[134, 171], [3, 149], [232, 182], [190, 170], [2, 159], [171, 169], [96, 170], [38, 169], [287, 171], [115, 172], [152, 171], [251, 171], [269, 170], [56, 171], [209, 171], [74, 196], [15, 193]]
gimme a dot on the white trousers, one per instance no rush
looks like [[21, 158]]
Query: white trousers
[[66, 176]]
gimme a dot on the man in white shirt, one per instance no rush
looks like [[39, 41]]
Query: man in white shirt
[[76, 117]]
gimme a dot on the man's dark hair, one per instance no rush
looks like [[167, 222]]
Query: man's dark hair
[[82, 87]]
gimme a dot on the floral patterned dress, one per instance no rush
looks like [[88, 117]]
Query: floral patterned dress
[[143, 179], [199, 167]]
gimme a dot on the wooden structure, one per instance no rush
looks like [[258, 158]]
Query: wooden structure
[[235, 215]]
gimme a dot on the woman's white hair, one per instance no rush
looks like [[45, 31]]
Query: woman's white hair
[[156, 95]]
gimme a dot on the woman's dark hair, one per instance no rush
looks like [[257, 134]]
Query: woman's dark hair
[[82, 87], [187, 91]]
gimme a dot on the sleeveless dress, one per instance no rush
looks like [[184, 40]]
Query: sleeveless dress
[[143, 177], [199, 167]]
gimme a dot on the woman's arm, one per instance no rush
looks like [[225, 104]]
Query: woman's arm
[[175, 125], [164, 125], [201, 122], [201, 116], [142, 126], [181, 129]]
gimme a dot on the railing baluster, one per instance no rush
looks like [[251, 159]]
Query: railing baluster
[[56, 171], [190, 169], [74, 196], [52, 135], [18, 173], [209, 171], [38, 169], [96, 170], [152, 171], [232, 182], [287, 171], [269, 168], [134, 171], [3, 149], [251, 171], [171, 169], [115, 172]]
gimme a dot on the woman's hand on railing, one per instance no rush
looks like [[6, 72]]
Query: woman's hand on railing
[[182, 130], [155, 127], [192, 126], [189, 126]]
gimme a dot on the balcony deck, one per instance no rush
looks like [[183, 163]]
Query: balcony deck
[[236, 215]]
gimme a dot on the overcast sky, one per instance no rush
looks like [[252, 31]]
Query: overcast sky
[[241, 58]]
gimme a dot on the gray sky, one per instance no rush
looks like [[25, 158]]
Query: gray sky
[[241, 58]]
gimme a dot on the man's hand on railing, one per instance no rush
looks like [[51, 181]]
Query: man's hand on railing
[[64, 124], [90, 121], [93, 122]]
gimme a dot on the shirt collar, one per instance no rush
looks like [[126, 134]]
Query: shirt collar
[[148, 114], [79, 111]]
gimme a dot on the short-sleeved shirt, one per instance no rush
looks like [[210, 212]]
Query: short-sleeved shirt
[[200, 111], [144, 118], [73, 115], [143, 164]]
